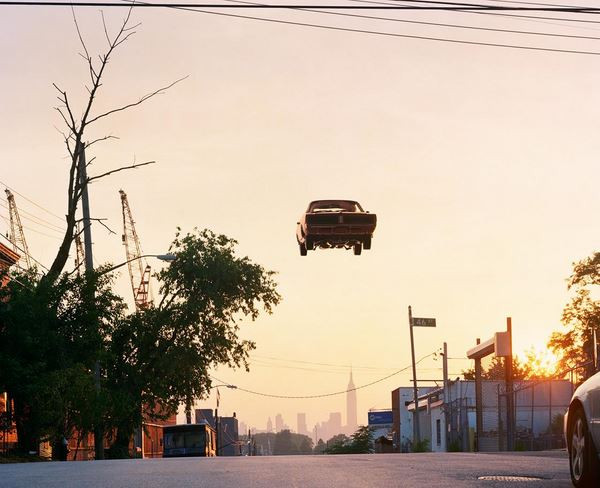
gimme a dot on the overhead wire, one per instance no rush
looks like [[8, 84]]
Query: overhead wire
[[7, 220], [21, 250], [529, 18], [23, 216], [353, 366], [323, 395], [436, 24], [445, 6], [377, 33], [32, 202], [320, 370], [524, 18]]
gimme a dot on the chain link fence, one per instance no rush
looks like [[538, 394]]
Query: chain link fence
[[538, 409]]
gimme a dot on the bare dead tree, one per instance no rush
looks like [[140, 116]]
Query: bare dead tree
[[74, 137]]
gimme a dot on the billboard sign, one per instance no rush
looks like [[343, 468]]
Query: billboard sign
[[381, 418]]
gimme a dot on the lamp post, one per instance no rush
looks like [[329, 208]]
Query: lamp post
[[163, 257], [217, 420], [188, 406]]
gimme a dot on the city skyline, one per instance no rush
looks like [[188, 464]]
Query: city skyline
[[328, 427]]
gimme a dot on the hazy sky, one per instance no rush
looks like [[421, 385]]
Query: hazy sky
[[481, 164]]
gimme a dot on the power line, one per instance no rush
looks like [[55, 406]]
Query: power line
[[386, 34], [29, 254], [347, 366], [298, 397], [527, 18], [454, 6], [33, 219], [439, 24], [32, 230], [468, 11], [31, 201]]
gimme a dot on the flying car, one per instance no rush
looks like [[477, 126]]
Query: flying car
[[335, 224]]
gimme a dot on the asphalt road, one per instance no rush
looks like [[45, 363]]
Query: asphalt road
[[439, 470]]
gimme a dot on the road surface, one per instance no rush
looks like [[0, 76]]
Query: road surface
[[439, 470]]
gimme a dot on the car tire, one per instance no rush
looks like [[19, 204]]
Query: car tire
[[357, 249], [367, 243], [583, 457], [310, 245], [303, 250]]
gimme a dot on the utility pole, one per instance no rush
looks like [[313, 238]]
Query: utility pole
[[89, 267], [446, 392], [416, 426], [510, 409], [217, 429]]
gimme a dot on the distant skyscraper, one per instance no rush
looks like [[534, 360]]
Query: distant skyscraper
[[351, 418], [335, 423], [302, 429], [278, 423], [269, 425]]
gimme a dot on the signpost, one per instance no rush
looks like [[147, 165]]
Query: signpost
[[416, 322], [421, 322]]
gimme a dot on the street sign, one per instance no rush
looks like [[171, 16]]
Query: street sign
[[421, 322]]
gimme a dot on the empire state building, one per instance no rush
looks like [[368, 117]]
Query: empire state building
[[351, 420]]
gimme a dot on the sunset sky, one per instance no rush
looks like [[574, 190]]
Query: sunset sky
[[481, 164]]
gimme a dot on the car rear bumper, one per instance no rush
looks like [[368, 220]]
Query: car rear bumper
[[344, 231]]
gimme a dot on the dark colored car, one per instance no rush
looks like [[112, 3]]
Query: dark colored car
[[582, 433], [341, 224]]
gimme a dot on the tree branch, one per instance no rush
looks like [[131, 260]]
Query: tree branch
[[101, 221], [100, 139], [160, 91], [133, 166]]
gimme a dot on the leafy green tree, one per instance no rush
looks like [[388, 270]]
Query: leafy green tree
[[496, 370], [161, 356], [581, 317], [284, 444], [362, 440], [320, 447], [153, 359], [49, 337], [338, 439], [306, 444]]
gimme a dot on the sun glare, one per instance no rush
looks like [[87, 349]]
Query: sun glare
[[542, 361]]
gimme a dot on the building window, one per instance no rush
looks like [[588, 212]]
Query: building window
[[438, 431]]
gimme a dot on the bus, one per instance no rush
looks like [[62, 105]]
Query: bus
[[187, 440]]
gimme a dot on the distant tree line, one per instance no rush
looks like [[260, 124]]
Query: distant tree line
[[283, 443]]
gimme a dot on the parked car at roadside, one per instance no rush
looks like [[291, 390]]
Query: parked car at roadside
[[341, 224], [582, 433]]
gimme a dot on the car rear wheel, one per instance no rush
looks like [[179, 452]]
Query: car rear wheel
[[367, 243], [310, 245], [357, 249], [583, 460], [303, 250]]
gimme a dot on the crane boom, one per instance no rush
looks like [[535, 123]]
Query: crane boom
[[17, 237], [139, 274]]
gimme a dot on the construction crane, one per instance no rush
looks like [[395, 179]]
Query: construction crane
[[139, 272], [16, 236]]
